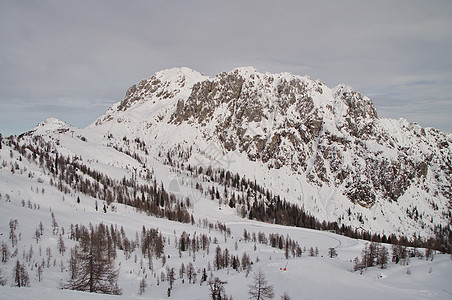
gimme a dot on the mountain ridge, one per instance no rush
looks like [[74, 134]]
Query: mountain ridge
[[328, 144]]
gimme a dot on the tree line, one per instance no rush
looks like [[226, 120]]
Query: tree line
[[149, 197], [255, 201], [260, 204]]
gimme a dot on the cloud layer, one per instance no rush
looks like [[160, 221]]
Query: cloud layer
[[72, 60]]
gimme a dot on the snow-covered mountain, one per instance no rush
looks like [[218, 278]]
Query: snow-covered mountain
[[190, 160], [322, 148]]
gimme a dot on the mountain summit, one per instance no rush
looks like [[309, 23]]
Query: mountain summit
[[245, 164], [323, 149]]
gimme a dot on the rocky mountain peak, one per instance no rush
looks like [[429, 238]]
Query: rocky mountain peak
[[50, 125], [322, 148], [328, 136], [163, 85]]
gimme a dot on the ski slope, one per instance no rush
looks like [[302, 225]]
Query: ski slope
[[305, 278]]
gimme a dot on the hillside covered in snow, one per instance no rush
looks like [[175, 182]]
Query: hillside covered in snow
[[324, 149], [193, 183]]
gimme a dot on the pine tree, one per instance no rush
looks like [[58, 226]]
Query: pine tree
[[245, 260], [285, 296], [190, 272], [39, 272], [332, 252], [37, 236], [216, 286], [54, 223], [204, 275], [383, 257], [3, 280], [5, 252], [226, 258], [142, 287], [20, 275], [60, 245], [93, 271], [218, 260], [357, 264], [182, 271], [12, 231], [260, 289], [171, 277], [41, 228], [372, 253]]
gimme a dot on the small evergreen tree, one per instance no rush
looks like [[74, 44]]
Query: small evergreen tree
[[260, 289], [383, 257], [60, 245], [3, 279], [39, 272], [332, 252], [216, 286], [171, 277], [285, 296], [182, 271], [20, 274], [91, 268], [142, 287], [12, 231], [204, 275], [357, 264], [218, 260], [5, 252], [190, 272]]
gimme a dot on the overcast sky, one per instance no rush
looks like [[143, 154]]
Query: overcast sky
[[73, 59]]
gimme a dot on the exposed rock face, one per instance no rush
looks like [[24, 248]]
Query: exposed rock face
[[333, 136]]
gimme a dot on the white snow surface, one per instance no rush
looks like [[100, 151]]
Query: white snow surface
[[305, 278], [148, 119]]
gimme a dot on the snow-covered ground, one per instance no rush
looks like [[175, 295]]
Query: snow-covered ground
[[305, 277], [330, 173], [109, 146]]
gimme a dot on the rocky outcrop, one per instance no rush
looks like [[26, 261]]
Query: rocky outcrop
[[333, 136]]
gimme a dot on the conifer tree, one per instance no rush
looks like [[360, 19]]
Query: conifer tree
[[20, 274], [260, 289], [285, 296], [93, 270], [5, 252], [60, 245], [332, 252], [190, 272], [142, 287], [171, 277], [3, 280], [216, 286], [383, 257]]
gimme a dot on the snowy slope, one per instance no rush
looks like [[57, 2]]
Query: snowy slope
[[305, 278], [322, 148]]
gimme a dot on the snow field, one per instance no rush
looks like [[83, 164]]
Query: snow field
[[305, 278]]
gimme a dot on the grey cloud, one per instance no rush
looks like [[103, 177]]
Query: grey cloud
[[392, 51]]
